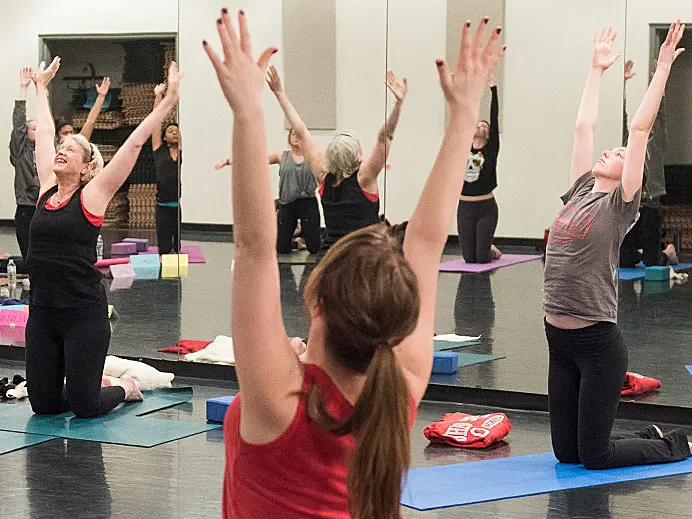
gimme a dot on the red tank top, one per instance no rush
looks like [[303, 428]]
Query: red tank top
[[300, 474]]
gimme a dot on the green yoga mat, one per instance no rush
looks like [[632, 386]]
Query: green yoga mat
[[299, 257], [469, 359], [12, 441], [123, 426], [451, 345]]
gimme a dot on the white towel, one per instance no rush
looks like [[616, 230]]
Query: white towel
[[453, 337], [146, 377], [220, 351]]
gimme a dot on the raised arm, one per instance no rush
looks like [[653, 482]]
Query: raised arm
[[274, 158], [494, 137], [643, 120], [427, 230], [98, 192], [629, 74], [268, 369], [45, 127], [587, 116], [156, 140], [376, 160], [101, 90], [19, 126], [313, 155]]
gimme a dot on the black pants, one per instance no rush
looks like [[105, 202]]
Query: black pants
[[476, 224], [305, 209], [645, 235], [168, 229], [586, 374], [69, 343], [22, 222]]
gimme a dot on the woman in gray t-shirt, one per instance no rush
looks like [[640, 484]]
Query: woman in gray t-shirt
[[588, 357]]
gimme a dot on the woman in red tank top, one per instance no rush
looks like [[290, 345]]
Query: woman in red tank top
[[330, 437]]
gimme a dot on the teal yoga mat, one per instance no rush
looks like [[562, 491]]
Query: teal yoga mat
[[451, 345], [13, 441], [469, 359], [123, 426]]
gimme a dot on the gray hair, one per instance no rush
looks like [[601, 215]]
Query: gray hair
[[344, 154]]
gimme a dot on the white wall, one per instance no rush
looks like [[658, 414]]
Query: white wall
[[640, 14], [20, 28]]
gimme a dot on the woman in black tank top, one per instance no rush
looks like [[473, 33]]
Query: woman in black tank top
[[67, 333], [347, 183]]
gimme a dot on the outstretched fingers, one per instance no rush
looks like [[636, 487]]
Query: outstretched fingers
[[479, 37], [465, 48], [491, 51], [245, 40], [229, 39], [263, 61]]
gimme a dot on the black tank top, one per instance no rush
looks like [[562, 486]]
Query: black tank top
[[62, 253], [346, 208]]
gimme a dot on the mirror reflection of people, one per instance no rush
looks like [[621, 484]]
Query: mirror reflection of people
[[643, 241], [477, 212], [345, 412], [22, 145], [587, 354], [67, 334], [64, 127], [346, 181], [168, 155]]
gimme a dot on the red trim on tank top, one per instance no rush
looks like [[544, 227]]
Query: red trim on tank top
[[94, 220], [373, 197]]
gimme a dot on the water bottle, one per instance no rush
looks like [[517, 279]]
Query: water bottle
[[99, 248], [11, 273]]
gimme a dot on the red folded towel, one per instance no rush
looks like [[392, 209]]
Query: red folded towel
[[636, 384], [465, 430], [186, 346]]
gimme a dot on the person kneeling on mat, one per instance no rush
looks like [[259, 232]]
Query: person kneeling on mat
[[67, 333], [587, 354], [347, 411]]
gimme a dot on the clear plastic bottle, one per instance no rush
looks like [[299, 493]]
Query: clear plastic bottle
[[99, 248], [11, 273]]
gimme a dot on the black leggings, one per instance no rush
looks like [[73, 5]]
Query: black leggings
[[476, 224], [69, 343], [167, 229], [586, 374], [22, 223], [645, 235], [305, 209]]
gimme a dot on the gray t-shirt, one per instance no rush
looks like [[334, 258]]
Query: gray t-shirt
[[581, 260], [295, 180]]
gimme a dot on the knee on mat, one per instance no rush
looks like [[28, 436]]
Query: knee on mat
[[567, 457], [313, 249], [593, 461], [44, 409], [84, 409], [283, 249]]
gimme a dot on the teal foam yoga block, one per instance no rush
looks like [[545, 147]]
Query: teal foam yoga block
[[146, 266], [445, 362], [657, 273], [217, 407]]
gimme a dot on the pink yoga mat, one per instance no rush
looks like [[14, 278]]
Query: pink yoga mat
[[194, 253], [459, 265]]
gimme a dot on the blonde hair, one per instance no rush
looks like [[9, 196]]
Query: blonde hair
[[344, 154], [92, 157]]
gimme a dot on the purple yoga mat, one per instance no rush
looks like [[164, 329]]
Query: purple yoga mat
[[459, 265], [194, 253]]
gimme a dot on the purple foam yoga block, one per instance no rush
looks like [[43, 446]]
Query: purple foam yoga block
[[142, 243], [123, 248]]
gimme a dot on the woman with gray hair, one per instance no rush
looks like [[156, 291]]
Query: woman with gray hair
[[347, 183]]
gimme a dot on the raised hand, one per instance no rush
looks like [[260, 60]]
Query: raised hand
[[603, 56], [274, 80], [223, 164], [44, 75], [477, 58], [173, 81], [629, 64], [668, 53], [102, 89], [398, 88], [160, 89], [240, 78], [25, 75]]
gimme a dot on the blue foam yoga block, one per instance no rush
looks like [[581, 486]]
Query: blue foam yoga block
[[146, 266], [657, 273], [445, 362], [216, 408]]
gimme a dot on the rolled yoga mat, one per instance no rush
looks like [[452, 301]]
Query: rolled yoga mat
[[13, 441], [505, 478], [459, 265]]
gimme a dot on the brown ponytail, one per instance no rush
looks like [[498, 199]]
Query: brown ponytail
[[368, 297]]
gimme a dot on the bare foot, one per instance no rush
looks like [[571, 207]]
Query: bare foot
[[672, 254], [658, 430], [495, 252], [132, 392], [105, 381], [301, 244]]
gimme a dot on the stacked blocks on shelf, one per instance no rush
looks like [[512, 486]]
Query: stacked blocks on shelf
[[217, 407], [145, 266], [174, 265], [123, 249], [445, 362], [141, 243], [123, 276], [657, 273]]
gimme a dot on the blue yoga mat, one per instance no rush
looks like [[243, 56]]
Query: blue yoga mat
[[469, 359], [12, 441], [689, 368], [628, 274], [480, 481]]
